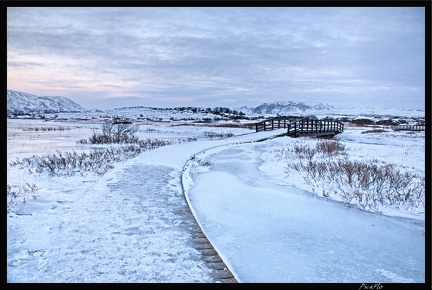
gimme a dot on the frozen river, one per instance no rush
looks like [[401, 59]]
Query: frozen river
[[273, 232]]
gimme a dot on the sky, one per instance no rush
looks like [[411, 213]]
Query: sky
[[103, 57], [129, 225]]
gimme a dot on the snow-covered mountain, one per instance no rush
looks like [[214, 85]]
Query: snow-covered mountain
[[20, 103], [288, 107], [321, 109], [25, 103]]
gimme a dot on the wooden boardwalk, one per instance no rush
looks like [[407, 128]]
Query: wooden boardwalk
[[297, 127], [409, 127]]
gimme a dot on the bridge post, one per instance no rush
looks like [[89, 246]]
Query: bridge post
[[301, 127]]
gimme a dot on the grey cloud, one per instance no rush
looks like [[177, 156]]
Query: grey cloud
[[215, 52], [23, 65]]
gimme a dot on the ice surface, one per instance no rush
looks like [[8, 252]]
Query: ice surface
[[273, 233]]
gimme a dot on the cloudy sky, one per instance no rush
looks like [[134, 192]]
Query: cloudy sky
[[190, 56]]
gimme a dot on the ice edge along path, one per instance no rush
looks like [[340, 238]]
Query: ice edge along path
[[187, 182], [181, 214]]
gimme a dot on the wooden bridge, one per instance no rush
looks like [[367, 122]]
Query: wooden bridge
[[409, 127], [297, 127]]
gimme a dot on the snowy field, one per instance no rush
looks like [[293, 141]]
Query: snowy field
[[268, 223]]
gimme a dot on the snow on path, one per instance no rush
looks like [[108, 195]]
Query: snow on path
[[132, 232], [305, 238], [133, 225]]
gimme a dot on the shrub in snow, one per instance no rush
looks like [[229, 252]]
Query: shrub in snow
[[99, 161], [20, 193], [46, 129], [369, 185], [199, 162], [113, 132], [210, 134], [374, 131]]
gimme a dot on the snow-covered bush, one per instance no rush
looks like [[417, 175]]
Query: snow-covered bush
[[210, 134], [199, 162], [326, 167], [20, 193], [99, 161], [113, 132], [60, 128]]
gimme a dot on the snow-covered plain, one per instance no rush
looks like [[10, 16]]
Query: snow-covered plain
[[131, 224]]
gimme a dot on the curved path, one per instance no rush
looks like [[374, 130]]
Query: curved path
[[132, 225], [296, 236]]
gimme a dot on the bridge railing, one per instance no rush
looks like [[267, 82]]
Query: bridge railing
[[274, 123], [409, 127], [299, 127], [314, 127]]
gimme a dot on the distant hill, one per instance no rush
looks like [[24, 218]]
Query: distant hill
[[288, 107], [25, 103]]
